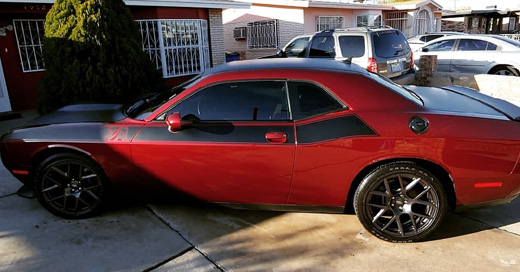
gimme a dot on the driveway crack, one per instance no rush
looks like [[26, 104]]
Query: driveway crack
[[193, 246]]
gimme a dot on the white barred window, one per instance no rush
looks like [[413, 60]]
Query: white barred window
[[177, 47], [329, 22], [262, 34], [29, 36]]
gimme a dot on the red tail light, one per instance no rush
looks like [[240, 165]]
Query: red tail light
[[411, 60], [372, 65]]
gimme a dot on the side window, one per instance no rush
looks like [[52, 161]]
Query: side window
[[491, 47], [322, 47], [297, 47], [237, 101], [308, 100], [440, 46], [352, 46], [472, 45], [432, 37], [422, 39]]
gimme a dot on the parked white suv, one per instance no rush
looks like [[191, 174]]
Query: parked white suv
[[381, 50]]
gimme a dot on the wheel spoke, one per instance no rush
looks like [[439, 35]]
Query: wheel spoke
[[56, 198], [57, 170], [412, 184], [378, 193], [86, 189], [51, 188], [425, 203], [381, 212], [88, 177], [64, 204], [93, 195], [79, 173], [399, 225], [421, 215], [414, 226], [389, 222], [85, 202], [387, 186], [401, 183], [377, 206], [422, 193], [76, 206]]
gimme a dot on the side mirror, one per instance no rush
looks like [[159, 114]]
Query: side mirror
[[281, 54], [174, 122], [424, 49]]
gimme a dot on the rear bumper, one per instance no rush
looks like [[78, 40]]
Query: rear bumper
[[406, 79]]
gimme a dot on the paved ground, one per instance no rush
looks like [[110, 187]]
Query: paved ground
[[134, 236]]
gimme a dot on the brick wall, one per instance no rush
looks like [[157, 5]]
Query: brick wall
[[216, 37]]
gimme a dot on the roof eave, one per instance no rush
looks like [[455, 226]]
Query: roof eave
[[347, 6], [160, 3]]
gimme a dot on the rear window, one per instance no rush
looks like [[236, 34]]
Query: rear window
[[352, 46], [390, 43]]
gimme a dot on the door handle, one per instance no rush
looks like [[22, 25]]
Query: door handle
[[276, 137]]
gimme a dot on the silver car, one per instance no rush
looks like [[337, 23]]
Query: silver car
[[419, 40], [474, 54]]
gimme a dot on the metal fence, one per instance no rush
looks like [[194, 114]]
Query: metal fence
[[177, 47]]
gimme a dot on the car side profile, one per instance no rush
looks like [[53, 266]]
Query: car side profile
[[282, 134], [419, 40], [474, 54]]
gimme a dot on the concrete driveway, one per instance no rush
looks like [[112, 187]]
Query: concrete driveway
[[134, 236]]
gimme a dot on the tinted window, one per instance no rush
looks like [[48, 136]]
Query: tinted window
[[322, 47], [308, 100], [440, 46], [239, 101], [432, 37], [472, 45], [422, 39], [390, 43], [352, 46], [507, 40], [297, 47], [491, 46]]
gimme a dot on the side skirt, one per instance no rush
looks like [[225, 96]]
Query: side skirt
[[283, 208]]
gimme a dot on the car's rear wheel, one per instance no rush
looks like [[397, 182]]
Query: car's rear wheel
[[504, 71], [400, 202], [70, 186]]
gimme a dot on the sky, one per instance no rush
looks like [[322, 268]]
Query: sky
[[478, 4]]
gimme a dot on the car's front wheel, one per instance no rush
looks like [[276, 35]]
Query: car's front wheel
[[400, 202], [70, 186]]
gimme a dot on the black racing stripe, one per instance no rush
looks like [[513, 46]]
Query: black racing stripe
[[218, 133], [330, 129]]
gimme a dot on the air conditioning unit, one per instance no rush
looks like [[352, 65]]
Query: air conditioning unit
[[240, 33]]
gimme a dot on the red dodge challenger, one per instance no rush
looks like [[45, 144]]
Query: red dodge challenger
[[291, 134]]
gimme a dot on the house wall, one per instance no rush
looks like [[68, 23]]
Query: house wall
[[23, 86], [216, 37]]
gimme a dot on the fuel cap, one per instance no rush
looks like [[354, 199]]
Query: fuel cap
[[419, 125]]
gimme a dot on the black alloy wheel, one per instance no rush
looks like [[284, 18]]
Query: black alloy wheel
[[400, 202], [70, 186]]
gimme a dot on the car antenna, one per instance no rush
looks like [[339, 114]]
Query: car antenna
[[348, 60]]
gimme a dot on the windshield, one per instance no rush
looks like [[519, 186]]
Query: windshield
[[390, 43], [143, 107]]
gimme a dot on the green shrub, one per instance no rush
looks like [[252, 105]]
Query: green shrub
[[93, 52]]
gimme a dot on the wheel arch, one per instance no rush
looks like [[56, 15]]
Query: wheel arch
[[435, 169], [51, 150], [497, 66]]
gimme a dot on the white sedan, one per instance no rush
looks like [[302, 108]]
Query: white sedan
[[474, 54]]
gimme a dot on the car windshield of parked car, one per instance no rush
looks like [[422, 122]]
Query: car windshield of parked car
[[143, 107], [297, 47], [322, 47], [390, 43], [446, 45]]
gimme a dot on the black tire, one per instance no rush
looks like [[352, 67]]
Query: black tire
[[70, 186], [400, 202], [504, 71]]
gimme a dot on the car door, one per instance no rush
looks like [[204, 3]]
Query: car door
[[472, 56], [237, 144], [443, 51]]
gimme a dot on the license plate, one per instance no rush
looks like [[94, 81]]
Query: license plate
[[396, 67]]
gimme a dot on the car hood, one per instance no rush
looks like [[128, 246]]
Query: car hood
[[81, 113], [467, 100]]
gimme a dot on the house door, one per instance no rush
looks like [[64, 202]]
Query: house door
[[5, 105]]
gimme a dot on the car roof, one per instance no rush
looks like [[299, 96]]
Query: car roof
[[486, 37], [286, 63]]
